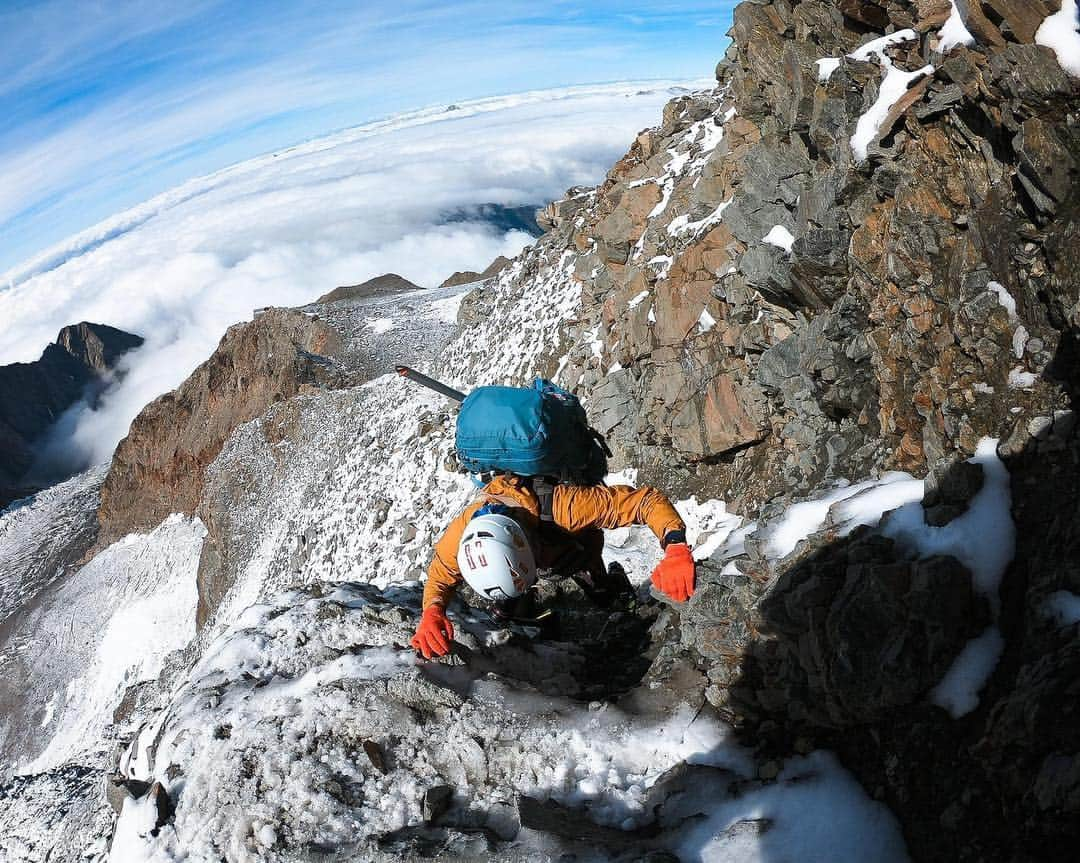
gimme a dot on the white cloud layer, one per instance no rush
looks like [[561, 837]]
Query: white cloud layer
[[284, 228]]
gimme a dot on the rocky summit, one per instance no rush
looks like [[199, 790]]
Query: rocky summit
[[830, 306], [388, 283]]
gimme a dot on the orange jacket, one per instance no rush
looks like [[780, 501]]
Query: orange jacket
[[574, 508]]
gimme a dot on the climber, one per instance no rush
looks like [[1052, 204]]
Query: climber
[[500, 542]]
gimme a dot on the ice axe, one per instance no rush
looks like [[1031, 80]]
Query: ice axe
[[430, 383]]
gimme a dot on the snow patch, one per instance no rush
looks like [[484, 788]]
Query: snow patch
[[845, 507], [958, 691], [1063, 607], [826, 66], [877, 47], [1005, 299], [682, 224], [894, 84], [983, 538], [954, 32], [663, 265], [708, 525], [133, 831], [446, 309], [1019, 341], [781, 237], [815, 810], [379, 326], [1060, 33], [1022, 380], [637, 300], [706, 321]]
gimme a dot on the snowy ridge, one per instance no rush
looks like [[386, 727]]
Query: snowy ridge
[[36, 536], [520, 330], [139, 591]]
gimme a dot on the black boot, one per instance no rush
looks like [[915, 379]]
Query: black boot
[[614, 589]]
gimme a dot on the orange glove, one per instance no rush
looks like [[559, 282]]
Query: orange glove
[[674, 575], [434, 633]]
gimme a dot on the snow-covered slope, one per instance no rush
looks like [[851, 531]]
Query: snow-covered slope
[[42, 536], [306, 726], [74, 653]]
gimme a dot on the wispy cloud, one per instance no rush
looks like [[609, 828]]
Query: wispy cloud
[[106, 104], [284, 228]]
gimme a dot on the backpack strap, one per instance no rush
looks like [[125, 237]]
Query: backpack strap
[[544, 489], [545, 497], [600, 441]]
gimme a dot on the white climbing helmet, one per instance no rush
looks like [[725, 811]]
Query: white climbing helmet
[[495, 558]]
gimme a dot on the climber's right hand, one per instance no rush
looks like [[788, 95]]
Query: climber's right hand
[[434, 633], [674, 575]]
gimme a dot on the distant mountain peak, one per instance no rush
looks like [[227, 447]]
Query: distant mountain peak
[[388, 283], [34, 395], [97, 346]]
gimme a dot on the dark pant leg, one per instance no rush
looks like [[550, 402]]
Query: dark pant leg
[[591, 561]]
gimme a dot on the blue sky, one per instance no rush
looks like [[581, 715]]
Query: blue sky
[[107, 103]]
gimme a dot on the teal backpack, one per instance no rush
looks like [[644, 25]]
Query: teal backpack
[[537, 431]]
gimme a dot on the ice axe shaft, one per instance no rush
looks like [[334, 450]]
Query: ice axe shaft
[[430, 383]]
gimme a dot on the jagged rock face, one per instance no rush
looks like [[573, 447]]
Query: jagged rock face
[[96, 346], [158, 468], [905, 305], [723, 360], [34, 395]]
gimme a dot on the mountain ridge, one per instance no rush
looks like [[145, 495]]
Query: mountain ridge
[[757, 318]]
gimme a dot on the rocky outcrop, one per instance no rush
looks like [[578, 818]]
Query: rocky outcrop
[[97, 346], [158, 468], [824, 271], [774, 309], [380, 286], [34, 395], [467, 277]]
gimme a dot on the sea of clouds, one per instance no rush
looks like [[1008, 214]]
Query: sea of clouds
[[284, 228]]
